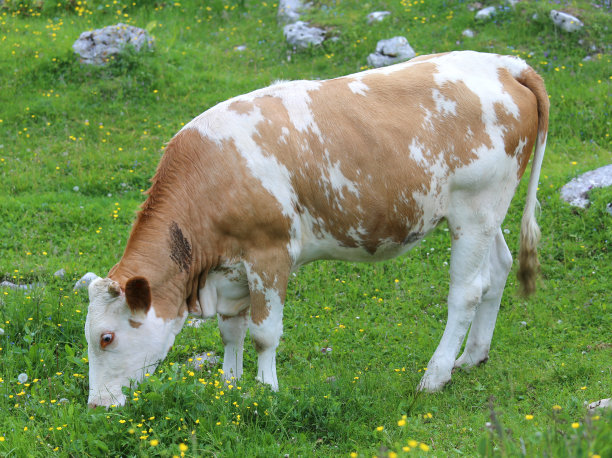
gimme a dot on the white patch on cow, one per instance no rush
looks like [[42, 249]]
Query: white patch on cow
[[432, 203], [283, 139], [134, 350], [358, 87], [427, 119], [225, 291], [519, 148], [417, 149], [296, 99], [336, 178], [469, 134], [443, 105]]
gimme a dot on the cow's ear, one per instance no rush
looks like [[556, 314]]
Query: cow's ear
[[138, 294]]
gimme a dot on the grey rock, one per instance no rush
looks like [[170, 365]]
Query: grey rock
[[601, 404], [8, 284], [485, 13], [301, 35], [469, 33], [60, 273], [377, 16], [85, 281], [196, 322], [566, 21], [289, 11], [576, 191], [97, 46], [391, 51], [204, 359]]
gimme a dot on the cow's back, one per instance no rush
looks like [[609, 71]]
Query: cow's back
[[366, 163]]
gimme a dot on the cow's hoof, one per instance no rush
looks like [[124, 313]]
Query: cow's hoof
[[431, 384], [467, 361]]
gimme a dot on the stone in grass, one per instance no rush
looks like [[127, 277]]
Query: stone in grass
[[289, 11], [196, 322], [8, 284], [97, 46], [391, 51], [566, 21], [60, 273], [576, 191], [85, 281], [601, 404], [377, 16], [485, 13], [301, 35], [204, 359]]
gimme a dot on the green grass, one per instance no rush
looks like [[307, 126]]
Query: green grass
[[79, 144]]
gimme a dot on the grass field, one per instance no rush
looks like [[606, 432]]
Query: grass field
[[78, 145]]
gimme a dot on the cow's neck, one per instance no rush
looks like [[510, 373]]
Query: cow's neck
[[162, 249]]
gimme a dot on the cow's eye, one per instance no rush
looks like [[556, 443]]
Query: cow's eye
[[106, 339]]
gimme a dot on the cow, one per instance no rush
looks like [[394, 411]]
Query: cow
[[356, 168]]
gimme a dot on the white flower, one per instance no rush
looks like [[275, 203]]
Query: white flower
[[22, 378]]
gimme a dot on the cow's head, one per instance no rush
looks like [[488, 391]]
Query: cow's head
[[126, 338]]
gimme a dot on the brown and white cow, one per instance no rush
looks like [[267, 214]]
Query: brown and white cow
[[358, 168]]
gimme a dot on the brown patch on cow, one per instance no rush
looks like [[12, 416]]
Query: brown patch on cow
[[270, 271], [180, 248], [522, 128], [241, 107], [259, 312], [134, 324], [534, 82]]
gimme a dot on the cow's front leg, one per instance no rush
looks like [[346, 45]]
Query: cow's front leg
[[233, 329], [267, 286]]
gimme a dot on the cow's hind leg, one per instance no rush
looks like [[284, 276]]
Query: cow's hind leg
[[233, 330], [481, 331], [469, 281]]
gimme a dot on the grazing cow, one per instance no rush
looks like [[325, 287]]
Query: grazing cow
[[358, 168]]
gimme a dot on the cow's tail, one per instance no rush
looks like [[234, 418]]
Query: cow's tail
[[529, 265]]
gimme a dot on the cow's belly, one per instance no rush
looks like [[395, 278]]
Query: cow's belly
[[316, 243]]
